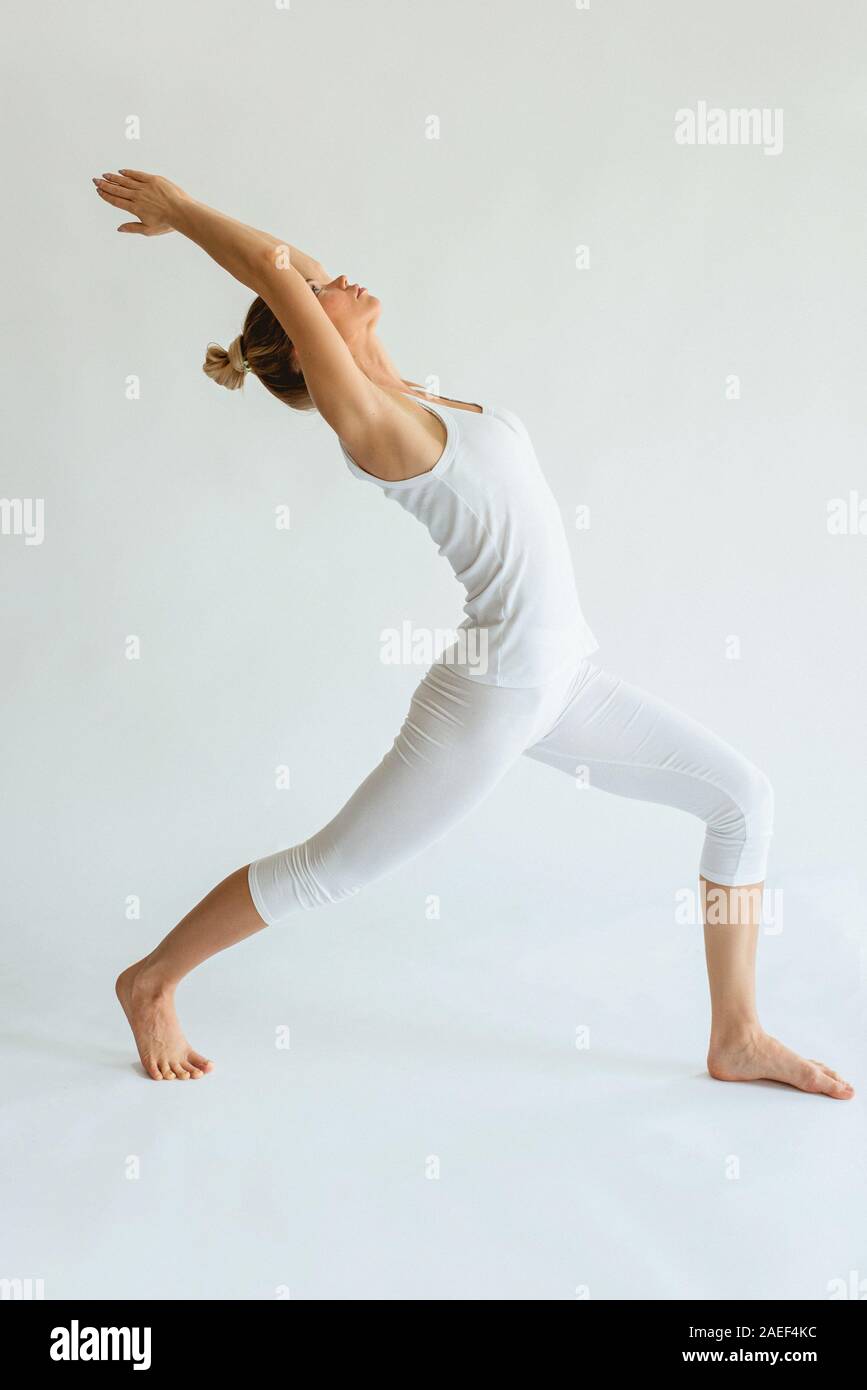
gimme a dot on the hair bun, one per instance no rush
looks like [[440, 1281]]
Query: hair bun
[[226, 368]]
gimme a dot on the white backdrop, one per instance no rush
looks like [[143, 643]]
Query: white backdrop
[[695, 378]]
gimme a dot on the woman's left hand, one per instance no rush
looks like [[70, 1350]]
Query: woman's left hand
[[149, 197]]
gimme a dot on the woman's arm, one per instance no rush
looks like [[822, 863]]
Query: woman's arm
[[239, 248], [348, 400], [159, 204], [307, 266]]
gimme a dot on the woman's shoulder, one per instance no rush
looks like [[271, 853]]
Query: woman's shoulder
[[510, 418]]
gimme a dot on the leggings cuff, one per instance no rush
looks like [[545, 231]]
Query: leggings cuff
[[749, 871], [256, 895]]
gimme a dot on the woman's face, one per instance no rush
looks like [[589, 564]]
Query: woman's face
[[349, 306]]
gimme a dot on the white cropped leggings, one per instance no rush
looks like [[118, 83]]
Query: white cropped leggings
[[460, 737]]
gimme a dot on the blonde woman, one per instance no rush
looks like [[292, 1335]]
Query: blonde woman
[[517, 680]]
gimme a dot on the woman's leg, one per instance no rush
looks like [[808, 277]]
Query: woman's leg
[[740, 1049], [620, 739], [457, 741], [147, 989]]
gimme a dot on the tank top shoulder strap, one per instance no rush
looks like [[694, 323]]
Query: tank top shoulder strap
[[440, 403]]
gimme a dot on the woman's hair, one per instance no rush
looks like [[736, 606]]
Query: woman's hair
[[265, 349]]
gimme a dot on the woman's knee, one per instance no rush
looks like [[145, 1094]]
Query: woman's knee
[[740, 829], [744, 800], [759, 802], [760, 828]]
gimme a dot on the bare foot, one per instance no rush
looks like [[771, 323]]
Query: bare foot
[[164, 1051], [755, 1056]]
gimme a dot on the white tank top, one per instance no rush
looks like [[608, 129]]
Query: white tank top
[[492, 515]]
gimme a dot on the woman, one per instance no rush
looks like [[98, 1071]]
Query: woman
[[516, 680]]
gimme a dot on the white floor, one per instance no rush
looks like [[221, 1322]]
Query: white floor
[[619, 1170]]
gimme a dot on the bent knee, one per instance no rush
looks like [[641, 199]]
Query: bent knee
[[740, 829], [745, 801], [759, 807]]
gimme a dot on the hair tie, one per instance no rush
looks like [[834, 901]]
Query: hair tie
[[245, 364]]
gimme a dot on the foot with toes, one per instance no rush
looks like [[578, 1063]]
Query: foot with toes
[[150, 1010], [756, 1056]]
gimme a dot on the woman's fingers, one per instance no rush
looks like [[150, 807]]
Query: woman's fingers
[[114, 189], [128, 190], [121, 181], [123, 203], [143, 229]]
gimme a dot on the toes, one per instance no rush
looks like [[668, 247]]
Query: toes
[[171, 1071], [839, 1086], [823, 1066], [191, 1068], [820, 1082], [810, 1077], [831, 1072], [835, 1086]]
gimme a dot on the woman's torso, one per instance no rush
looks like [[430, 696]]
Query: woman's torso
[[490, 512]]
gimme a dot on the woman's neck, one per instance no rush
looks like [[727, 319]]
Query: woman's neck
[[372, 358]]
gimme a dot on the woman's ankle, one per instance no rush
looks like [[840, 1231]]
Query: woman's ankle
[[152, 978], [736, 1029]]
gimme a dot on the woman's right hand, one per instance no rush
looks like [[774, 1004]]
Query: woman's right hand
[[149, 197]]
